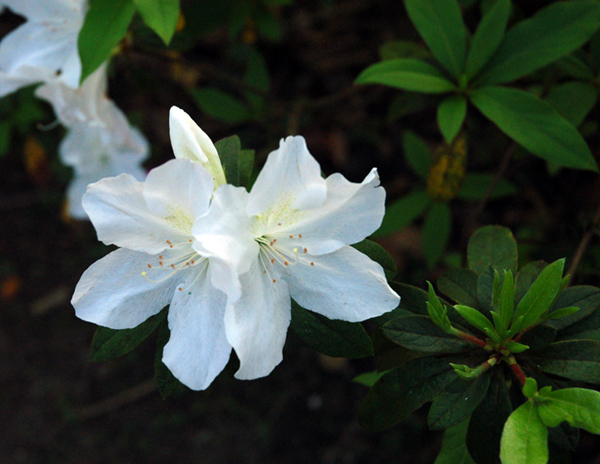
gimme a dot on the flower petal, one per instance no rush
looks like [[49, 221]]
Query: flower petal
[[256, 325], [345, 284], [178, 188], [191, 142], [350, 213], [198, 349], [113, 293], [290, 175], [118, 210]]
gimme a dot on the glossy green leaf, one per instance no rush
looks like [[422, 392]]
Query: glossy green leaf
[[378, 254], [475, 187], [460, 398], [160, 15], [507, 300], [539, 297], [406, 74], [487, 37], [552, 33], [454, 448], [331, 337], [573, 100], [526, 277], [403, 390], [487, 421], [246, 165], [475, 318], [417, 153], [368, 379], [442, 28], [403, 212], [580, 407], [451, 114], [220, 105], [105, 24], [573, 359], [485, 286], [229, 150], [492, 246], [584, 297], [109, 343], [436, 232], [525, 437], [165, 381], [534, 124], [460, 285], [421, 334]]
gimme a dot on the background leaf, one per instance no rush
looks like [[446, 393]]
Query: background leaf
[[475, 186], [220, 105], [403, 212], [160, 15], [460, 285], [436, 232], [572, 359], [492, 246], [417, 153], [454, 449], [229, 150], [573, 100], [451, 115], [535, 125]]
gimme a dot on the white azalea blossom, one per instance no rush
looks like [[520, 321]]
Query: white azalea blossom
[[191, 142], [295, 228], [101, 142], [44, 48], [157, 265]]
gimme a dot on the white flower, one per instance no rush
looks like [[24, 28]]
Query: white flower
[[295, 228], [157, 265], [191, 142], [44, 48], [101, 142]]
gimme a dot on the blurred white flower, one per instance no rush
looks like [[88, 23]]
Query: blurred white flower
[[191, 142], [157, 265], [295, 228], [101, 142], [44, 48]]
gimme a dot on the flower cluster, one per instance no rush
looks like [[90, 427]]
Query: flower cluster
[[100, 141], [228, 261]]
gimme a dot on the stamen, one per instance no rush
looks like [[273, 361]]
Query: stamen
[[299, 235], [149, 266], [312, 264], [305, 250]]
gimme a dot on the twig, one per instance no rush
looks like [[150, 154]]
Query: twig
[[583, 244]]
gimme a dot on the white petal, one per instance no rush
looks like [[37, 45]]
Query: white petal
[[345, 284], [113, 293], [118, 210], [178, 187], [197, 350], [223, 234], [290, 175], [350, 213], [256, 325], [191, 142]]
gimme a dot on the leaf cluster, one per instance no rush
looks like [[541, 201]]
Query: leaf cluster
[[471, 358]]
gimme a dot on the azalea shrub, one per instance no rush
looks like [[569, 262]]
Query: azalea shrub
[[218, 251]]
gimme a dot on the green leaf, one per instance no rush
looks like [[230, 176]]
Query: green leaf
[[108, 343], [257, 73], [105, 24], [525, 437], [534, 124], [584, 297], [580, 407], [552, 33], [573, 100], [454, 449], [229, 150], [460, 398], [442, 28], [407, 103], [421, 334], [460, 285], [450, 116], [331, 337], [492, 246], [403, 49], [573, 359], [507, 300], [539, 297], [368, 379], [485, 426], [561, 313], [539, 337], [485, 288], [402, 212], [378, 254], [403, 390], [476, 319], [220, 105], [160, 15], [406, 74], [417, 153], [526, 277], [475, 186], [575, 67], [488, 37], [436, 232], [530, 388], [246, 165], [165, 381], [515, 347]]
